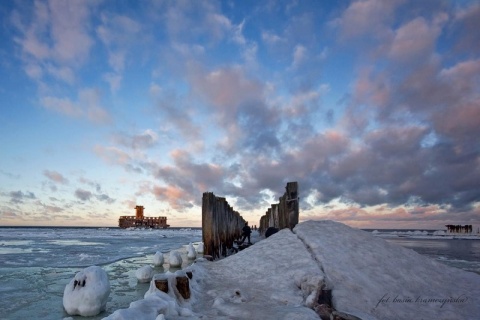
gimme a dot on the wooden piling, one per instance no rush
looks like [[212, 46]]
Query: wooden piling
[[183, 287], [285, 213], [221, 225], [162, 284]]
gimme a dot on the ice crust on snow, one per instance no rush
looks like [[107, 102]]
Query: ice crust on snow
[[87, 293]]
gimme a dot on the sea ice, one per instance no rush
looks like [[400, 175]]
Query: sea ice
[[87, 293], [158, 259], [144, 274]]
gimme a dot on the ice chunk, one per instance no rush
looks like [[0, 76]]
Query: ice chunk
[[158, 259], [87, 293], [175, 259], [191, 253], [144, 274]]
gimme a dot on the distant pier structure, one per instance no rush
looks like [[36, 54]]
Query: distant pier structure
[[451, 228], [140, 221]]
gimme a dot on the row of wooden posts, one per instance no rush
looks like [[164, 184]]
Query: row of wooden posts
[[283, 214], [221, 225], [459, 228]]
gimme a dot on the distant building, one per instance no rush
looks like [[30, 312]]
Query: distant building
[[140, 221]]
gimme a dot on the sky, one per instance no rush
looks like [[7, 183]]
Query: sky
[[372, 106]]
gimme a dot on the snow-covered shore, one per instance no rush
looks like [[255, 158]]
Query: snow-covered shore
[[279, 278]]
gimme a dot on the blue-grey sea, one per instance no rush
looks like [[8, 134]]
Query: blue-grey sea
[[37, 263]]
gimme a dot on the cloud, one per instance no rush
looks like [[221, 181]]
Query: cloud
[[55, 176], [87, 106], [466, 28], [46, 36], [19, 196], [299, 55], [105, 198], [414, 41], [144, 140], [83, 195], [239, 107], [366, 18], [119, 34]]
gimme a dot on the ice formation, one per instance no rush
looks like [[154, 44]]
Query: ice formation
[[157, 304], [144, 274], [87, 293], [200, 248], [191, 253], [158, 259], [175, 259]]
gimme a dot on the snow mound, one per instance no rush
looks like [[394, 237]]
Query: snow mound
[[272, 279], [144, 274], [191, 253], [374, 279], [87, 293], [158, 259], [175, 259]]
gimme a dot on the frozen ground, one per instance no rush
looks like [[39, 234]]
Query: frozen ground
[[277, 277]]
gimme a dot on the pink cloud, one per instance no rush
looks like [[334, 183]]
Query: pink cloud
[[367, 17], [55, 176], [415, 39]]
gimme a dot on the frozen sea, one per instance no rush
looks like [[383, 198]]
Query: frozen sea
[[37, 263]]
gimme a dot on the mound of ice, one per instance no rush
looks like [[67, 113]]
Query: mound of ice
[[200, 248], [144, 274], [158, 259], [439, 233], [175, 259], [191, 253], [87, 293]]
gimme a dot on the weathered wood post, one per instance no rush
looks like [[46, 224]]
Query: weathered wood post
[[221, 225], [183, 286], [285, 213], [161, 282], [208, 207]]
